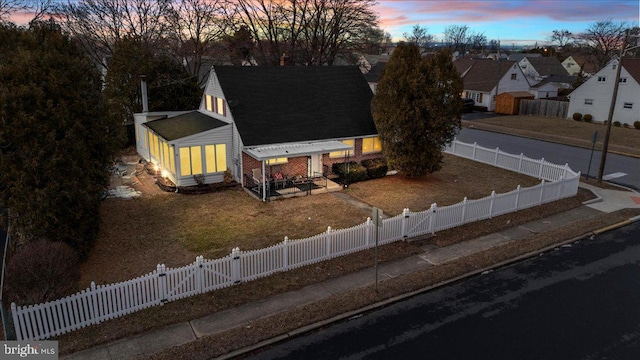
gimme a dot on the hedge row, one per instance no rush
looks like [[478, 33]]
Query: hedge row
[[352, 172]]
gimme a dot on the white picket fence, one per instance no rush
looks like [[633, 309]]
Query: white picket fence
[[103, 302]]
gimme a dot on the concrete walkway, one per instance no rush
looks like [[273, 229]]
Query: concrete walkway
[[182, 333]]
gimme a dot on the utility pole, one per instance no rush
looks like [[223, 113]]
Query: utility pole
[[612, 107]]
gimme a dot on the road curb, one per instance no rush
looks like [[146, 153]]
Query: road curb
[[401, 297], [472, 126]]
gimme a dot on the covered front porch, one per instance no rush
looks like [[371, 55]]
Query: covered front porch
[[286, 170]]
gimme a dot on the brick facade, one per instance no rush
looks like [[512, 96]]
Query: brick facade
[[298, 165]]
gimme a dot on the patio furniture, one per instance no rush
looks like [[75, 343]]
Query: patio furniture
[[257, 177], [279, 180]]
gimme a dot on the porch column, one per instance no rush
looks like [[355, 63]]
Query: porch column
[[264, 180]]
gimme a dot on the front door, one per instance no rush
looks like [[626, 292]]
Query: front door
[[315, 166]]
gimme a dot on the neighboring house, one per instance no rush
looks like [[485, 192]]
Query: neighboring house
[[519, 56], [574, 64], [594, 95], [298, 119], [484, 79], [373, 76], [550, 85], [538, 68]]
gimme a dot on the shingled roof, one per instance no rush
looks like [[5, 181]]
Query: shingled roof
[[283, 104], [546, 66], [633, 67], [184, 125], [480, 74]]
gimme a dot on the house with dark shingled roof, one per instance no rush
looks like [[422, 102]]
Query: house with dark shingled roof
[[594, 95], [295, 120]]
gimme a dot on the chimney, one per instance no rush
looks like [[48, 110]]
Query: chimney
[[284, 60], [143, 87]]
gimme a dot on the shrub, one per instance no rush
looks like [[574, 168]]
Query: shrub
[[376, 168], [350, 172], [636, 124], [42, 271], [587, 118], [625, 125], [616, 123], [577, 116]]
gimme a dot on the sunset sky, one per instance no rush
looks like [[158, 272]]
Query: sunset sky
[[522, 22]]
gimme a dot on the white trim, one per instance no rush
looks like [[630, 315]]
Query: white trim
[[296, 149]]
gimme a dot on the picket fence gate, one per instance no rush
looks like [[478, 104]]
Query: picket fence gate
[[99, 303]]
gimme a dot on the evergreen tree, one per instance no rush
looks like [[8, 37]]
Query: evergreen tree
[[56, 144], [417, 109]]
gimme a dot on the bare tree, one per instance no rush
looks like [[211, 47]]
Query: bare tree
[[419, 36], [98, 24], [8, 7], [311, 32], [603, 38], [457, 37], [478, 41], [562, 37], [193, 25]]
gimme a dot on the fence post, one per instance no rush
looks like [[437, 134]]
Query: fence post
[[566, 170], [464, 208], [495, 160], [328, 242], [453, 145], [493, 196], [405, 217], [517, 197], [541, 191], [162, 283], [16, 322], [94, 304], [432, 218], [199, 270], [475, 145], [520, 163], [367, 233], [285, 254], [541, 165], [236, 276]]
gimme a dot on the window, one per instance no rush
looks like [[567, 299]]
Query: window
[[216, 157], [628, 105], [220, 107], [588, 101], [190, 160], [514, 76], [275, 161], [371, 145], [623, 80], [209, 102], [477, 97], [602, 78], [337, 154]]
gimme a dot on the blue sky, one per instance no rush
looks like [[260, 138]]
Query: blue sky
[[523, 22]]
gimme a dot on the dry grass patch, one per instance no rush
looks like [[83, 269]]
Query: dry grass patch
[[458, 178], [566, 131]]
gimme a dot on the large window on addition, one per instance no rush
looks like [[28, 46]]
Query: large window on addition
[[371, 145], [338, 154], [191, 161], [216, 157]]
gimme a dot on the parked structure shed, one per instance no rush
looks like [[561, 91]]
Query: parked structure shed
[[509, 102]]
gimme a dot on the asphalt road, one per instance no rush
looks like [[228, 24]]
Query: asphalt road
[[577, 158], [580, 301]]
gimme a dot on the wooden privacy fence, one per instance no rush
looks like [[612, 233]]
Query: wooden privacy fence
[[103, 302], [541, 107]]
